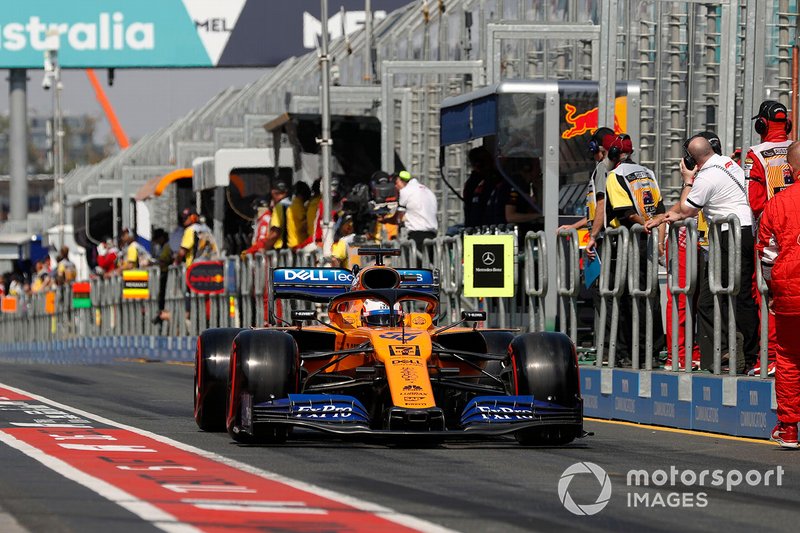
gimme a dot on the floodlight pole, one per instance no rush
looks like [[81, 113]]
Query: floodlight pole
[[58, 155], [52, 73], [326, 143], [17, 145]]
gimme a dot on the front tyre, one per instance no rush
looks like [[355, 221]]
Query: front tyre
[[545, 366], [211, 377], [264, 366]]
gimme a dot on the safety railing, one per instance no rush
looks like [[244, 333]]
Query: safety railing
[[568, 281], [646, 294], [614, 254], [450, 260], [243, 303], [729, 287], [763, 290], [685, 289], [536, 279]]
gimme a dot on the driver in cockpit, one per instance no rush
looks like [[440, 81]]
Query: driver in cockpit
[[377, 313]]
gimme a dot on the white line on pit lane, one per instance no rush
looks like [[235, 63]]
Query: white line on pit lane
[[376, 509]]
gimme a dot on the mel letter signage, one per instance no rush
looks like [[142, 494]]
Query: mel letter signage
[[488, 266]]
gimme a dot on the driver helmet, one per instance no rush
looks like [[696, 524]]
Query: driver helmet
[[376, 313]]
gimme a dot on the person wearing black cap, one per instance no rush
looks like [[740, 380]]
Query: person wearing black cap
[[765, 166], [596, 194], [595, 212], [632, 197], [767, 170]]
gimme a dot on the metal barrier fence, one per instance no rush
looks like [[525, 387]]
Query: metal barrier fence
[[687, 289], [44, 318], [536, 284], [728, 287]]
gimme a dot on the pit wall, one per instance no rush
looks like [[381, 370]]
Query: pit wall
[[730, 405]]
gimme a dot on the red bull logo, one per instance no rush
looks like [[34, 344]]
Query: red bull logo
[[580, 123]]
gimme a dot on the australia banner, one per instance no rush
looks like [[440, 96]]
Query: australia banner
[[172, 33]]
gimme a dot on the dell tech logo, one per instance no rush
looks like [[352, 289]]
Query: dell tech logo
[[596, 476]]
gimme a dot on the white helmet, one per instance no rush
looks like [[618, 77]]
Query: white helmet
[[376, 313]]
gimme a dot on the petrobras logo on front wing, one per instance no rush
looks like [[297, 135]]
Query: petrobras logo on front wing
[[309, 275]]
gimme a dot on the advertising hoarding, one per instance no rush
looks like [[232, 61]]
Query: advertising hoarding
[[171, 33]]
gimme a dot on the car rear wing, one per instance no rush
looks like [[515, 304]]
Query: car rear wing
[[419, 279], [316, 284], [319, 284]]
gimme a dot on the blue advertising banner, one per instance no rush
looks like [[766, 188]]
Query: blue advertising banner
[[172, 33]]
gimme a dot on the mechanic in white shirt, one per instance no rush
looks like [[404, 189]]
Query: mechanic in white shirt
[[716, 185], [417, 208]]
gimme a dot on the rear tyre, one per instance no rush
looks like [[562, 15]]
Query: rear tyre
[[211, 377], [264, 366], [545, 366]]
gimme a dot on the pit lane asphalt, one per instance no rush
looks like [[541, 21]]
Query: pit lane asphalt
[[494, 486]]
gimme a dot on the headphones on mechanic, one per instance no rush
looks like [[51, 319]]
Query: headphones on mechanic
[[771, 107], [618, 146], [596, 140], [713, 140]]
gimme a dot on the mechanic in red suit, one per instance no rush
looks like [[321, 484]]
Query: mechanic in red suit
[[767, 173], [779, 252], [261, 230]]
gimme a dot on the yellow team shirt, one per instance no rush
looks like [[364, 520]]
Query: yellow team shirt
[[339, 251], [311, 216], [278, 221], [642, 192], [187, 242], [296, 229]]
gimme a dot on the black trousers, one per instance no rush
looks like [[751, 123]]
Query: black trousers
[[746, 310], [624, 350], [419, 236]]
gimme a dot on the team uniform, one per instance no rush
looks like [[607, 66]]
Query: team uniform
[[279, 222], [199, 244], [719, 190], [632, 189], [595, 193], [137, 256], [296, 228], [260, 232], [778, 235], [767, 172]]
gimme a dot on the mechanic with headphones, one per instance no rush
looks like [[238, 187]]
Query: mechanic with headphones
[[767, 171], [765, 166], [632, 197], [596, 193], [715, 184]]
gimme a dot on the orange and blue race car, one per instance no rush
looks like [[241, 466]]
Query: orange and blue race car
[[382, 366]]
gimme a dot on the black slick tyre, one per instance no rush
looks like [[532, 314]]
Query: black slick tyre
[[265, 366], [211, 377], [546, 367]]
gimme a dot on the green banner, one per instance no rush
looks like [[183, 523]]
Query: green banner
[[81, 303]]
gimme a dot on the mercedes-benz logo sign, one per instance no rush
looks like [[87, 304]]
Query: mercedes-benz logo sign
[[602, 498], [487, 258]]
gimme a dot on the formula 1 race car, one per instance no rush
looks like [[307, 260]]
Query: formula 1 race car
[[381, 367]]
